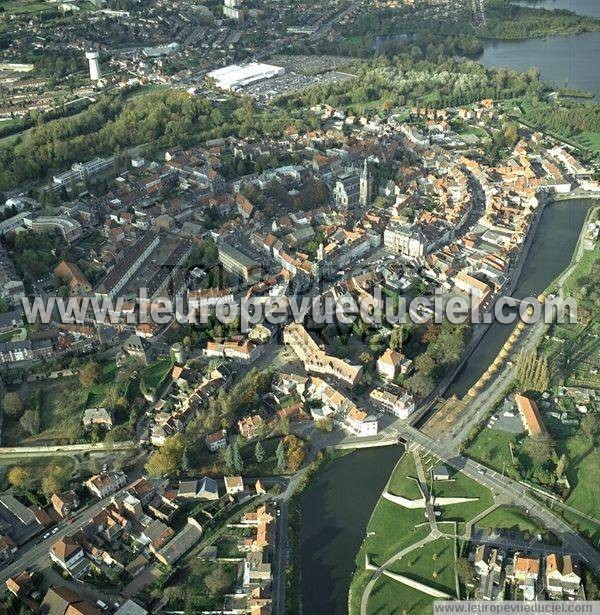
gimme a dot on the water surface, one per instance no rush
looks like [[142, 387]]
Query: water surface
[[336, 508], [591, 8], [550, 254], [570, 60]]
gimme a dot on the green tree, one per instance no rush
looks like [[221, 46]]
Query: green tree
[[30, 421], [217, 581], [540, 448], [90, 374], [228, 457], [12, 404], [561, 466], [590, 425], [238, 462], [167, 460], [464, 570], [284, 425], [259, 452], [325, 424]]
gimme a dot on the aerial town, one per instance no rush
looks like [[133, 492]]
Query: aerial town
[[208, 458]]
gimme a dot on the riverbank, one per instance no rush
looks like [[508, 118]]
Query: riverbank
[[552, 247]]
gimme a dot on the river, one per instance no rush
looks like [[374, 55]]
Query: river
[[336, 508], [338, 503], [550, 254]]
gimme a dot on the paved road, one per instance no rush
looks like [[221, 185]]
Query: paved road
[[32, 554], [279, 560], [514, 491]]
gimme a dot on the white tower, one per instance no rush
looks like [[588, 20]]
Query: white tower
[[93, 59]]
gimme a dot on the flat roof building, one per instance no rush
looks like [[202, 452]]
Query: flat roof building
[[236, 76], [235, 261]]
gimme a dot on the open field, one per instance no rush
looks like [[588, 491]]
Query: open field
[[432, 564], [583, 473], [153, 375], [492, 447], [21, 7], [508, 518]]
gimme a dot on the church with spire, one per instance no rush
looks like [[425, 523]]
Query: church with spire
[[366, 186]]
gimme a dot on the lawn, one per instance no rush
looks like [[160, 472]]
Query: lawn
[[63, 402], [588, 529], [389, 597], [205, 461], [20, 7], [153, 375], [403, 480], [509, 518], [583, 473], [98, 393], [462, 486], [492, 447], [434, 557], [589, 140]]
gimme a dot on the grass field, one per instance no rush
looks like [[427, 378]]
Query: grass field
[[432, 564], [62, 405], [508, 518], [22, 7], [462, 486], [492, 447], [589, 140], [403, 480], [583, 473], [153, 375]]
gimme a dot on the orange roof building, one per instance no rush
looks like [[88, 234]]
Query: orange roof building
[[532, 419]]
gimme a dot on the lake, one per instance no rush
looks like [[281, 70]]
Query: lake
[[590, 8], [570, 60], [549, 255], [336, 508]]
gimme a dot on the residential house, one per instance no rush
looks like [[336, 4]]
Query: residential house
[[530, 414], [60, 600], [65, 503], [105, 484], [399, 402], [391, 363], [234, 484], [7, 548], [249, 426], [97, 416], [488, 563], [361, 423], [563, 576], [20, 585], [156, 535], [526, 572], [69, 555], [216, 440]]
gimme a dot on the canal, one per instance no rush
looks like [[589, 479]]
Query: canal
[[336, 508], [550, 254]]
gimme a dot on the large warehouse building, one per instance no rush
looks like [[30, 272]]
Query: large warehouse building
[[236, 76]]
